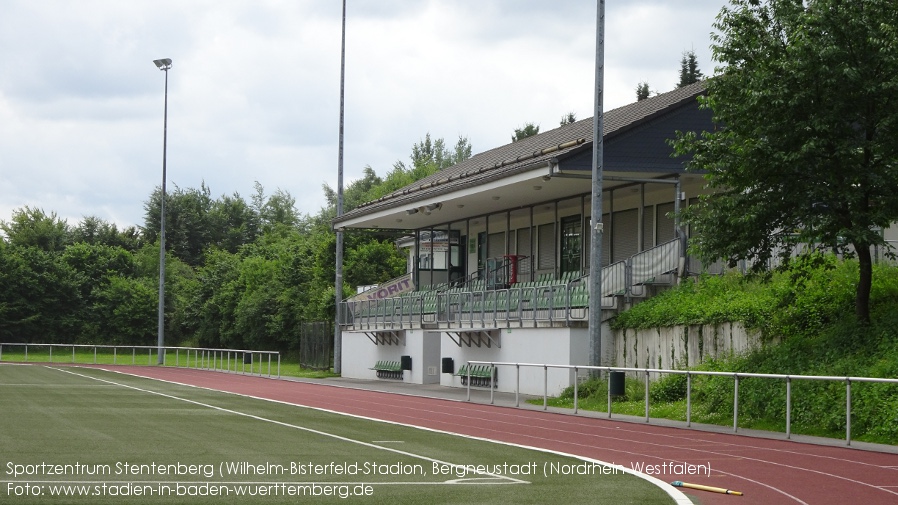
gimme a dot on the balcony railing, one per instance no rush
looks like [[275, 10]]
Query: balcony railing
[[562, 301]]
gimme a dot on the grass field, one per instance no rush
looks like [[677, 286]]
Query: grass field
[[125, 355], [82, 435]]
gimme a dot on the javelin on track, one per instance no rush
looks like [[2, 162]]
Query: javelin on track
[[700, 487]]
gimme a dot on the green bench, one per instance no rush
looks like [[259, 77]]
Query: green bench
[[388, 370], [480, 375]]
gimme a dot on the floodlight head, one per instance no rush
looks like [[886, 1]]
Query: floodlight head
[[163, 64]]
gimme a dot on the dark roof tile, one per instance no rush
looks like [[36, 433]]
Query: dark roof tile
[[517, 156]]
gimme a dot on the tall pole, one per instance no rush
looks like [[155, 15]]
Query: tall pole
[[596, 348], [164, 65], [338, 281]]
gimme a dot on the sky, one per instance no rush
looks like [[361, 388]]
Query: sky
[[253, 92]]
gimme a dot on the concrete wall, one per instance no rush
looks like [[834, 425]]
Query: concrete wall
[[360, 354], [679, 346], [524, 345]]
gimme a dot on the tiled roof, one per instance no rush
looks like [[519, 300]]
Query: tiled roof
[[525, 153]]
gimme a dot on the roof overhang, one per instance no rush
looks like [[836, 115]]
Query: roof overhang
[[539, 185]]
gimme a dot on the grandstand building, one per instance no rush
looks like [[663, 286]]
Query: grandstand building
[[499, 250]]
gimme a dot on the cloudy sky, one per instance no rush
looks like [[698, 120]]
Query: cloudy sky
[[254, 87]]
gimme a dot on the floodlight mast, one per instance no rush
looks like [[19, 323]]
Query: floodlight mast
[[163, 64], [599, 344], [338, 277]]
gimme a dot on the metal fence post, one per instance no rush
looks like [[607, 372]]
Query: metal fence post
[[847, 411], [736, 403], [468, 371], [517, 384], [51, 353], [688, 399], [492, 382], [576, 380], [608, 375], [646, 396], [545, 387], [788, 408]]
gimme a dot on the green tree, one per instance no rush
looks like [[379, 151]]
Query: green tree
[[568, 118], [373, 262], [187, 230], [124, 312], [32, 227], [428, 154], [642, 91], [277, 209], [807, 108], [427, 157], [93, 230], [39, 296], [528, 130], [689, 72], [233, 223]]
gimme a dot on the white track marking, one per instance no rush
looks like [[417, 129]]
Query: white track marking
[[693, 449], [689, 440], [298, 427], [677, 495]]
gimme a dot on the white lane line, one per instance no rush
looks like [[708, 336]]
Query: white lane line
[[677, 495], [295, 426]]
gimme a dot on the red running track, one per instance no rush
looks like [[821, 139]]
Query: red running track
[[766, 471]]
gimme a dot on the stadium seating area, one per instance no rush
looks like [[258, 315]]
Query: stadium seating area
[[546, 300]]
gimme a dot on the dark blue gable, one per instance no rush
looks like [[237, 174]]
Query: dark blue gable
[[645, 148]]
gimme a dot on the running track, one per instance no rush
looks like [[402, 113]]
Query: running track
[[766, 471]]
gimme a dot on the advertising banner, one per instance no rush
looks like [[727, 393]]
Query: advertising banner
[[389, 289]]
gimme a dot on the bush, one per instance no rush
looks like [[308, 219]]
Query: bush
[[809, 306], [668, 389]]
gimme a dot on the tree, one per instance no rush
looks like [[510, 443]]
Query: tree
[[642, 91], [568, 118], [433, 155], [807, 104], [274, 210], [528, 130], [32, 227], [428, 157], [689, 72], [187, 228], [233, 223], [39, 299]]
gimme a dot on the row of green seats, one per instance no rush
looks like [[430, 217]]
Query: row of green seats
[[388, 369], [480, 375]]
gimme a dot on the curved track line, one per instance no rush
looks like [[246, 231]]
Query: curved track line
[[518, 424], [678, 497], [521, 417]]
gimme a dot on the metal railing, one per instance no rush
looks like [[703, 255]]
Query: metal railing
[[689, 374], [203, 358], [522, 304]]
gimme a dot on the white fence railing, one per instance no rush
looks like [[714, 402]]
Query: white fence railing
[[224, 360], [689, 374]]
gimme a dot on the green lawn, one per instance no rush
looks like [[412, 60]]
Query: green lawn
[[132, 356], [84, 421]]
